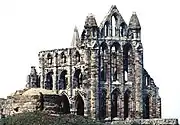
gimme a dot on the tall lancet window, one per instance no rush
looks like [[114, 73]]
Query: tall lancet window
[[114, 58], [103, 50], [77, 57], [62, 81], [126, 60], [49, 59], [122, 29], [113, 21], [77, 79], [63, 57], [126, 103], [106, 29]]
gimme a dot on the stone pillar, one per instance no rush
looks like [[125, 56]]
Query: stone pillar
[[158, 107], [55, 71], [94, 84], [138, 61], [42, 69]]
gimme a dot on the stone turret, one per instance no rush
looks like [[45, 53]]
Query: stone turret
[[134, 22], [32, 79], [75, 40]]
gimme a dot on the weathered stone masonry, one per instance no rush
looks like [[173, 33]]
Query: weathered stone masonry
[[101, 75]]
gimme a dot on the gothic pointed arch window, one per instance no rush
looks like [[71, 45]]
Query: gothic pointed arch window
[[77, 79], [114, 59], [77, 57], [63, 57], [114, 103], [103, 49], [106, 29], [62, 80], [114, 25], [49, 59], [126, 60], [64, 105], [146, 106], [126, 103], [122, 29], [79, 103], [49, 81], [103, 104]]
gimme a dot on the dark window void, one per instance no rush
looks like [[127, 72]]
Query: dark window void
[[126, 50], [63, 57], [102, 60], [103, 76], [77, 79], [77, 57], [106, 29], [49, 81], [103, 105], [79, 105], [114, 103], [146, 107], [114, 64], [62, 81], [64, 105], [49, 58], [126, 104], [122, 29]]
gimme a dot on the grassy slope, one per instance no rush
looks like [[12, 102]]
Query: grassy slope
[[40, 118]]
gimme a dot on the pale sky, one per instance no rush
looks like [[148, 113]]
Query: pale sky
[[29, 26]]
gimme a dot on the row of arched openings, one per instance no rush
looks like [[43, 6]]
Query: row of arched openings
[[116, 30], [63, 58], [64, 105], [63, 80], [115, 104], [114, 56]]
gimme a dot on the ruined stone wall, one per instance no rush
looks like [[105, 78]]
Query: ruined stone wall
[[103, 71]]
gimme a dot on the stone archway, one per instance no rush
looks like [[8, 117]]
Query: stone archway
[[126, 104], [79, 105], [114, 103], [64, 105], [147, 107]]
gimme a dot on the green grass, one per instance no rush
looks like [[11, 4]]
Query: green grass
[[41, 118]]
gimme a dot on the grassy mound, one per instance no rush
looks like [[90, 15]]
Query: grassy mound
[[41, 118]]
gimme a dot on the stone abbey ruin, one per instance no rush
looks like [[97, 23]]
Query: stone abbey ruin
[[100, 76]]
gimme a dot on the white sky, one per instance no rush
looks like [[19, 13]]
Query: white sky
[[29, 26]]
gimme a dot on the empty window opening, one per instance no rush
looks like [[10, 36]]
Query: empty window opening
[[106, 29], [126, 104], [146, 104], [62, 81], [103, 105], [63, 57], [77, 57], [126, 56], [77, 79], [113, 26], [103, 76], [79, 105], [49, 57], [64, 104], [49, 81], [122, 29], [125, 76], [114, 103]]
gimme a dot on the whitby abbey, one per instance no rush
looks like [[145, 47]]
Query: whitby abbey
[[101, 75]]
